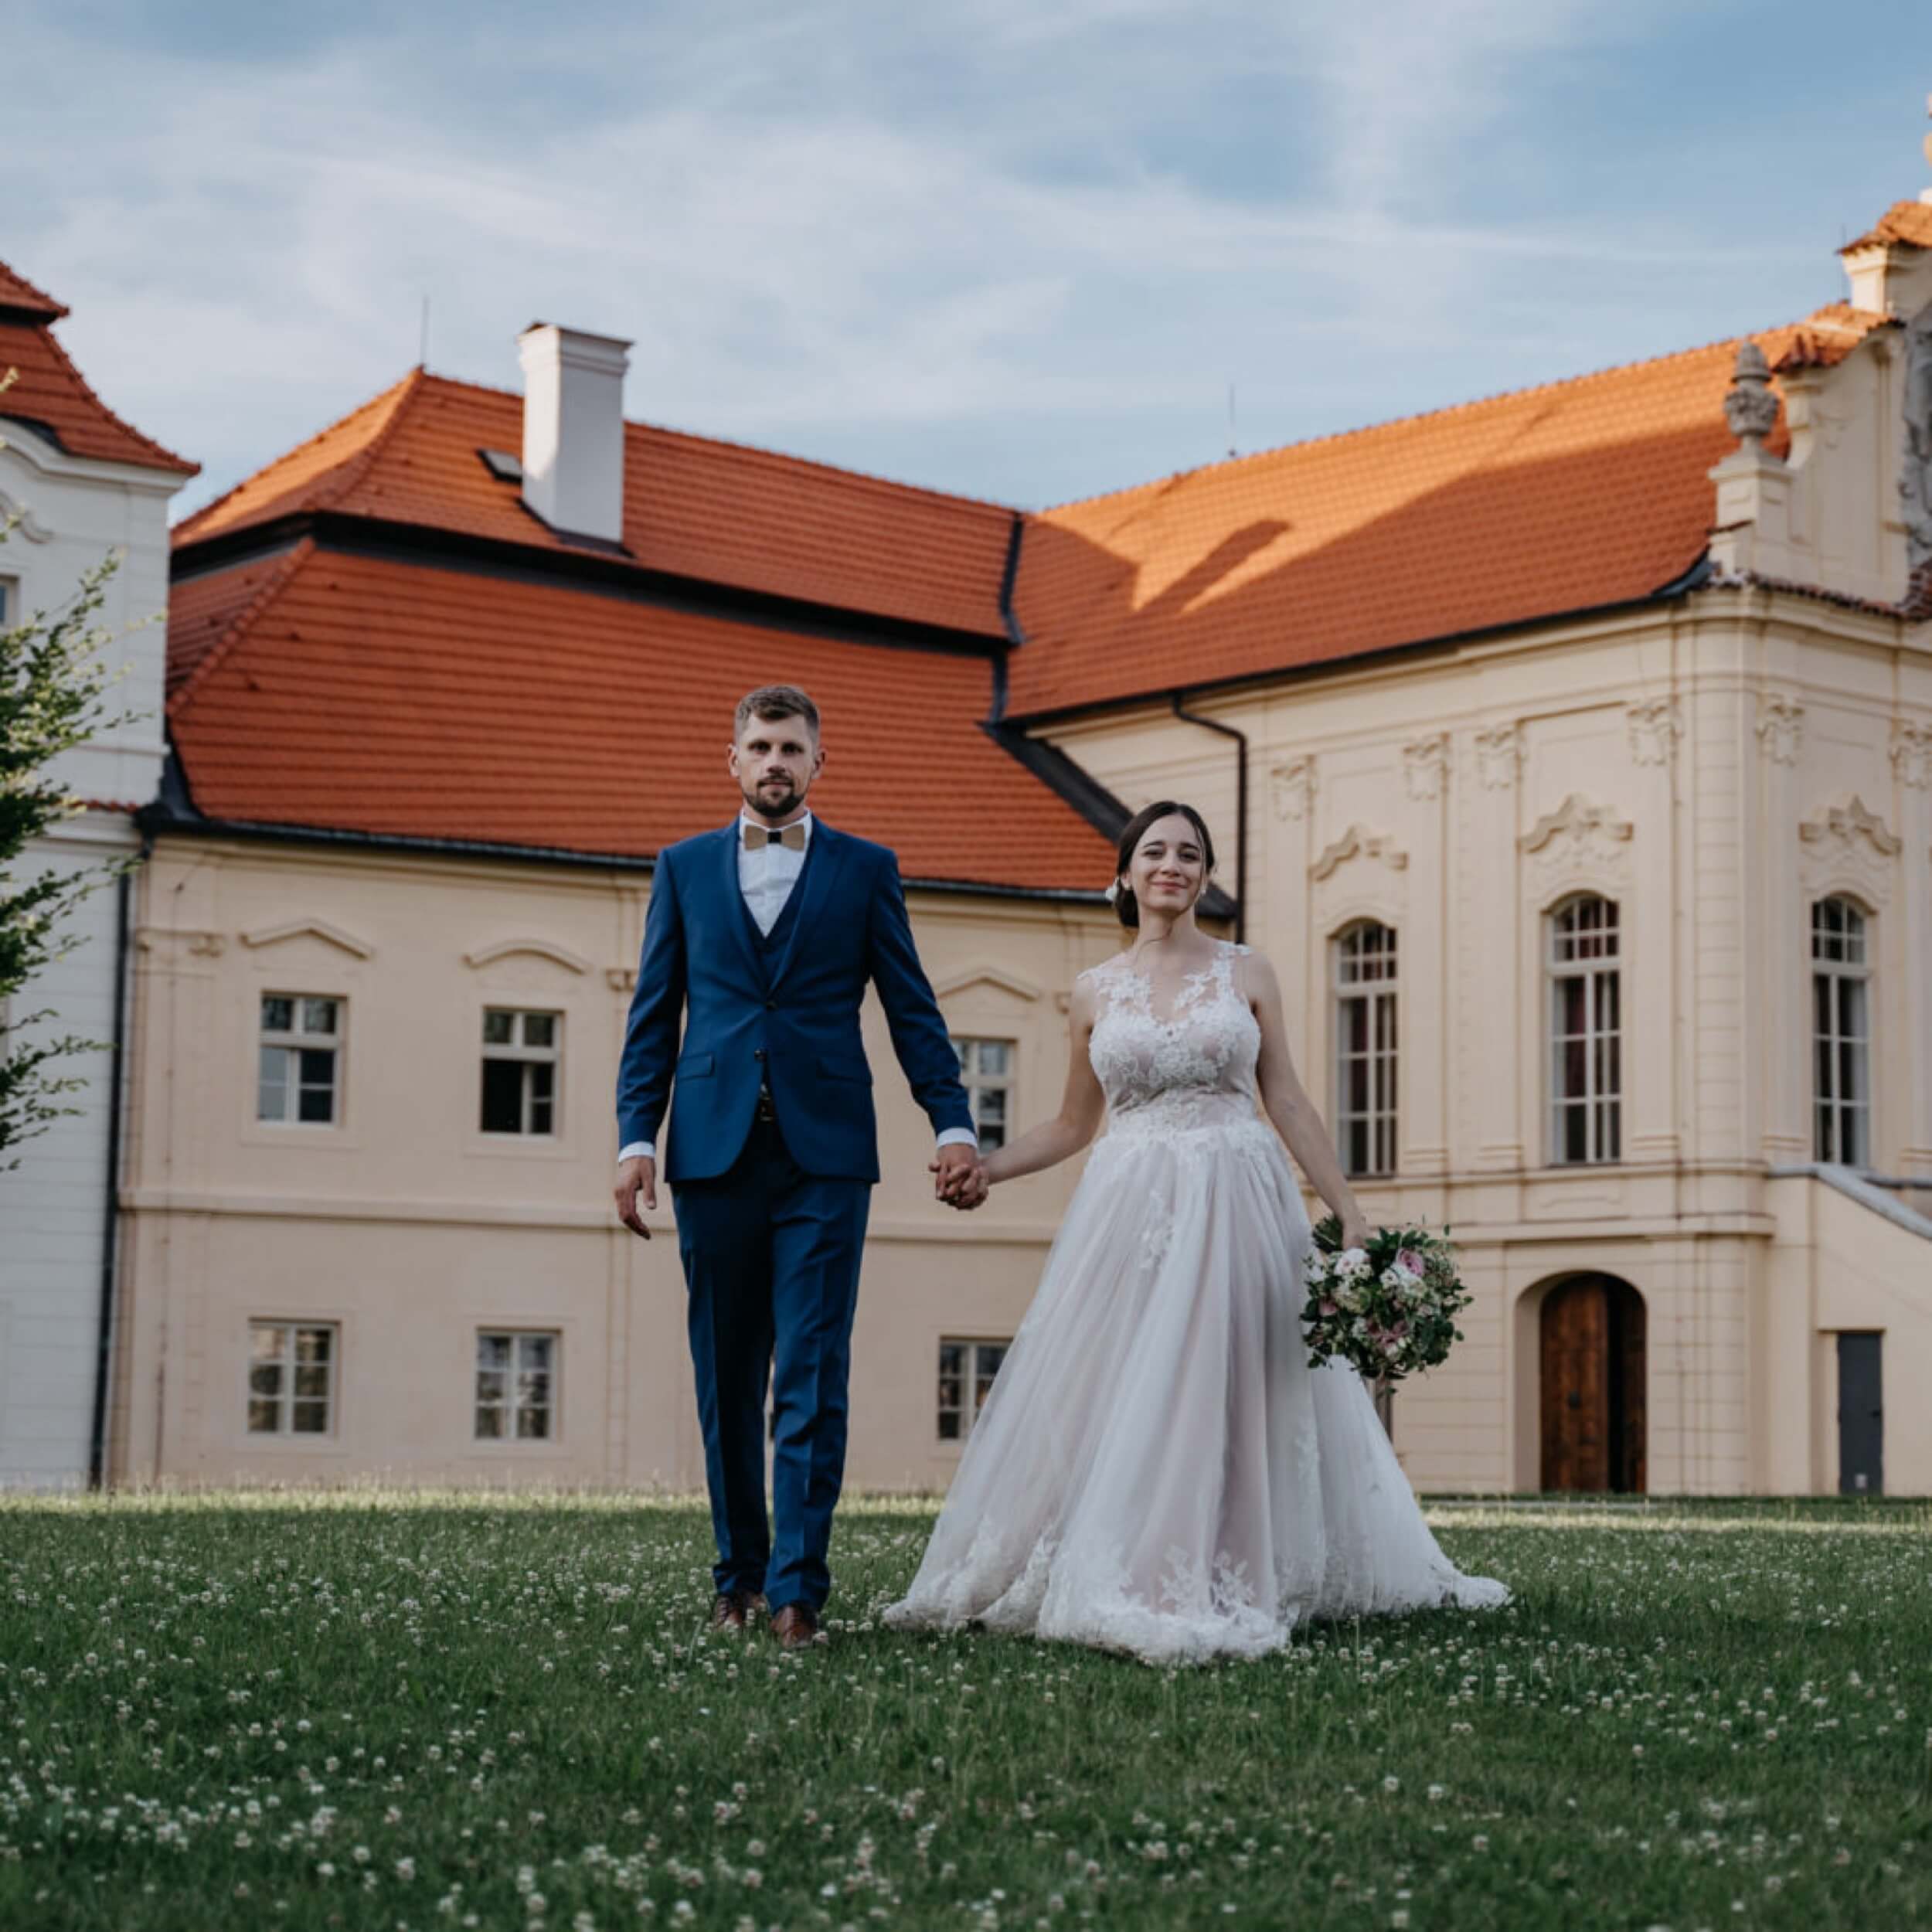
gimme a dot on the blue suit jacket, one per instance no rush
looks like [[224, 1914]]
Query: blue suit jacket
[[792, 1022]]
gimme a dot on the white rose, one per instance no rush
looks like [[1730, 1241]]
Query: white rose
[[1352, 1261]]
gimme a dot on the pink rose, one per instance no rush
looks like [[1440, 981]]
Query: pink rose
[[1329, 1308], [1411, 1259]]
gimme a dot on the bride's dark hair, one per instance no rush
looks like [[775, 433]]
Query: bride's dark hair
[[1125, 905]]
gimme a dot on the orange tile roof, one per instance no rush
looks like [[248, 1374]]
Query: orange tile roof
[[1908, 222], [17, 292], [1571, 496], [208, 612], [341, 691], [48, 393], [694, 507]]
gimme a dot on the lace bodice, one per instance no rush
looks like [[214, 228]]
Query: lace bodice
[[1193, 1070]]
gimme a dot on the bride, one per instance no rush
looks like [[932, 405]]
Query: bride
[[1157, 1469]]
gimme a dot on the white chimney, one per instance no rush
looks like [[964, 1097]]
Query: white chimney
[[573, 429]]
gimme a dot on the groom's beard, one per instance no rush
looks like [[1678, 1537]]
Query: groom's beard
[[769, 802]]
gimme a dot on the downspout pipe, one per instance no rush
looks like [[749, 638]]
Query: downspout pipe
[[110, 1205], [1240, 804]]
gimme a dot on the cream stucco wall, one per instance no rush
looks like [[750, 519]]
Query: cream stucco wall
[[411, 1230], [1697, 762]]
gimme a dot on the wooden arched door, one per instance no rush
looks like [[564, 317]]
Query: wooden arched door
[[1592, 1339]]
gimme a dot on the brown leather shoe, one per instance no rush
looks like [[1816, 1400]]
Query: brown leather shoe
[[732, 1609], [796, 1627]]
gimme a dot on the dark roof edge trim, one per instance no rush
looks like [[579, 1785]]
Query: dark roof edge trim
[[1677, 588], [584, 570]]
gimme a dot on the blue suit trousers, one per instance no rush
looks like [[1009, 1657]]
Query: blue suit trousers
[[771, 1256]]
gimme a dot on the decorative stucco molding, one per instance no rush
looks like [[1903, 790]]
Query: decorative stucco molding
[[1911, 753], [197, 945], [1780, 727], [987, 975], [621, 979], [1425, 764], [1656, 726], [1499, 755], [1577, 834], [1915, 469], [310, 928], [1749, 408], [1851, 828], [1293, 782], [1357, 842], [20, 517], [537, 948]]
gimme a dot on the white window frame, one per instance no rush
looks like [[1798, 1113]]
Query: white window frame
[[286, 1359], [1365, 962], [1841, 1121], [972, 1396], [291, 1043], [518, 1051], [1601, 1099], [978, 1082], [509, 1405]]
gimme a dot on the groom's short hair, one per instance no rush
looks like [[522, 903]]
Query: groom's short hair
[[772, 701]]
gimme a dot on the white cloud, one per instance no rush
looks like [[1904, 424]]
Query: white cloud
[[952, 251]]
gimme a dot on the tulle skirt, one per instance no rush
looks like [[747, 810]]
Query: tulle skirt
[[1157, 1470]]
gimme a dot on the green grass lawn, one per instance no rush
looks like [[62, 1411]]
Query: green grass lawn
[[396, 1711]]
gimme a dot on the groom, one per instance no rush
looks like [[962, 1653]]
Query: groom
[[761, 937]]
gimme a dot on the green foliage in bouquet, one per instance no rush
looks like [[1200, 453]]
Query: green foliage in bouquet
[[1391, 1319]]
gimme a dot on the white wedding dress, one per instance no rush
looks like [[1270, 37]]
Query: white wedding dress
[[1157, 1469]]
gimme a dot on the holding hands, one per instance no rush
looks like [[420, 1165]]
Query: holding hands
[[960, 1176]]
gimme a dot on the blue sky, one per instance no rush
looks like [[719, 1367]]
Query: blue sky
[[1018, 248]]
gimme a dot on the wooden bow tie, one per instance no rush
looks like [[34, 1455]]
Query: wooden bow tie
[[791, 837]]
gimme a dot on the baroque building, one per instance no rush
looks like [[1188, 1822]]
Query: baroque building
[[76, 485], [1569, 753]]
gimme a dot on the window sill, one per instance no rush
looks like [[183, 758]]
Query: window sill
[[310, 1139], [519, 1146]]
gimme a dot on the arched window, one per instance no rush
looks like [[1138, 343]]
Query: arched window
[[1585, 1042], [1841, 1034], [1364, 971]]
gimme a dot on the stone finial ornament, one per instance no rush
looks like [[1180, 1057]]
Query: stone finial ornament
[[1751, 408]]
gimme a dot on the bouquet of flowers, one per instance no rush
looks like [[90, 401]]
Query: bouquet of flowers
[[1388, 1309]]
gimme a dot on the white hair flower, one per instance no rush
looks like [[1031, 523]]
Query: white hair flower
[[1113, 892]]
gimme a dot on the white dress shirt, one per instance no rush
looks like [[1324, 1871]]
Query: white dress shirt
[[767, 874]]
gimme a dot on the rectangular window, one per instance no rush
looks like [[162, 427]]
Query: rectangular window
[[1586, 1033], [521, 1054], [1841, 1034], [291, 1378], [9, 603], [966, 1373], [1365, 1109], [299, 1074], [516, 1385], [986, 1067]]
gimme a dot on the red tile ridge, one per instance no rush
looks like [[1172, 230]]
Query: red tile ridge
[[238, 625], [163, 458], [1905, 223], [353, 468], [17, 292], [1465, 407], [784, 459]]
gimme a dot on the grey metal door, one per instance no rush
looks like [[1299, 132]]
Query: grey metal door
[[1860, 1414]]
